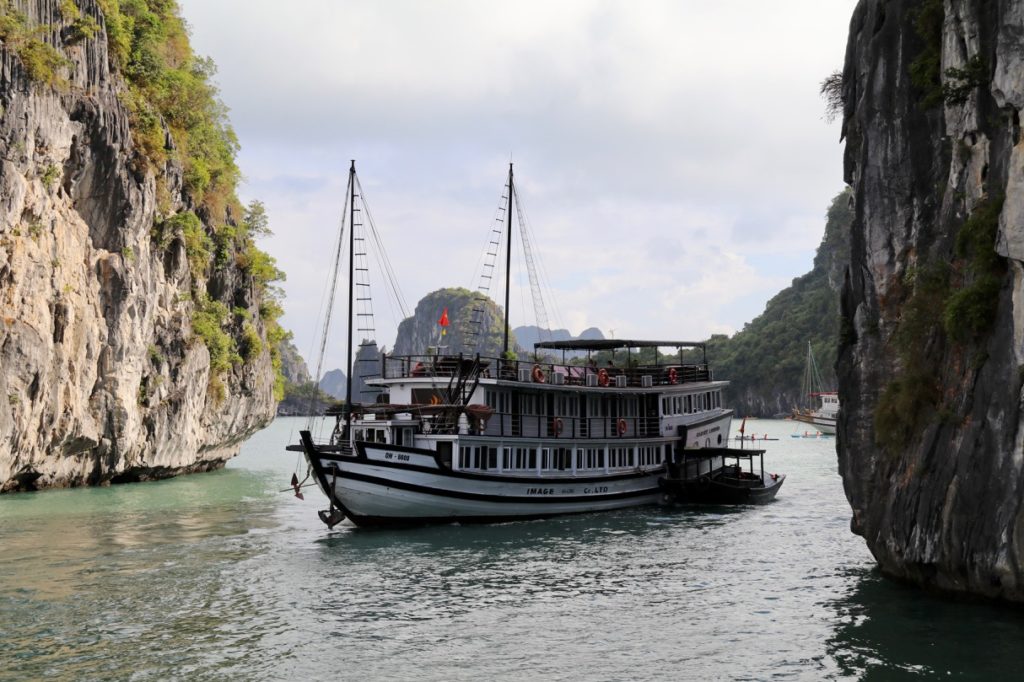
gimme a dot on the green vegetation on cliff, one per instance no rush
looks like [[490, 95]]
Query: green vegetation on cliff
[[171, 89], [179, 128], [170, 86], [41, 60], [946, 305]]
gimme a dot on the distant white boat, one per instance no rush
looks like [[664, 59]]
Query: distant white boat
[[822, 415]]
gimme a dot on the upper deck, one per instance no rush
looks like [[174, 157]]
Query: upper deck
[[544, 372], [627, 372]]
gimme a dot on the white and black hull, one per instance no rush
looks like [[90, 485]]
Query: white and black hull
[[390, 485], [823, 424]]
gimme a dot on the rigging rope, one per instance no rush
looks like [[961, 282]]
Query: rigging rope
[[330, 307]]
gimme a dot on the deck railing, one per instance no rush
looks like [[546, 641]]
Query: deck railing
[[527, 371]]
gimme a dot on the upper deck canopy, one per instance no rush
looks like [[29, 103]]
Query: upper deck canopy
[[613, 344]]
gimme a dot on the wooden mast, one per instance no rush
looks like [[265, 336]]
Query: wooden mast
[[508, 258], [351, 287]]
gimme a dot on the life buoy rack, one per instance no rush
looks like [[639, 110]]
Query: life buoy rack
[[537, 374], [621, 425], [673, 375], [557, 426], [602, 377]]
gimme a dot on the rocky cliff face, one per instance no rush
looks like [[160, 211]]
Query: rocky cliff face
[[421, 331], [932, 335], [293, 366], [102, 377]]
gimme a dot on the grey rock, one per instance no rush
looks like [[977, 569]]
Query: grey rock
[[101, 377], [945, 509]]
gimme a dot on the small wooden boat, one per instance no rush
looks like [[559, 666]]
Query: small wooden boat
[[718, 476]]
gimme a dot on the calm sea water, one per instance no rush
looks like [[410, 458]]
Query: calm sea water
[[220, 576]]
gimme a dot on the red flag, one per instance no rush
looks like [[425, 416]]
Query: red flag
[[444, 322], [743, 426]]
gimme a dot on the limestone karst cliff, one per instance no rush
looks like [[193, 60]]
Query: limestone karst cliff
[[136, 330], [931, 357], [421, 331]]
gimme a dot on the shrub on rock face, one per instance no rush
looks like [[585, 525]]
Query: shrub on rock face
[[208, 323], [970, 312], [41, 61]]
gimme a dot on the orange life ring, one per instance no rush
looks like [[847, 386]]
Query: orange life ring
[[556, 426], [435, 399], [538, 375], [602, 377], [673, 375], [622, 427]]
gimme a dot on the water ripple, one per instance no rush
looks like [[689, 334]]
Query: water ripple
[[220, 577]]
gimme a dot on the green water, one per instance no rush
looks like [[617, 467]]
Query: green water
[[220, 576]]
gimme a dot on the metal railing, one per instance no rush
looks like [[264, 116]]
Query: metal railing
[[447, 366]]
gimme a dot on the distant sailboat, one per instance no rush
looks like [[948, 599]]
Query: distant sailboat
[[823, 415]]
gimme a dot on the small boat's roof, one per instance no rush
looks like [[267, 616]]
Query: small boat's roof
[[612, 344]]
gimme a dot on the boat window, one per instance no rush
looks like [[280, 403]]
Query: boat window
[[664, 406], [545, 459], [506, 459], [491, 399], [398, 436], [532, 463], [689, 404]]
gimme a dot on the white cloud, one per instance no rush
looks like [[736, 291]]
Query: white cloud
[[658, 144]]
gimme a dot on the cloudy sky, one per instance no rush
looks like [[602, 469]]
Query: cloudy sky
[[671, 155]]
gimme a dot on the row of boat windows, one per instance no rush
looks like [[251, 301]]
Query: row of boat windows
[[688, 404], [564, 405], [597, 406], [483, 458]]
